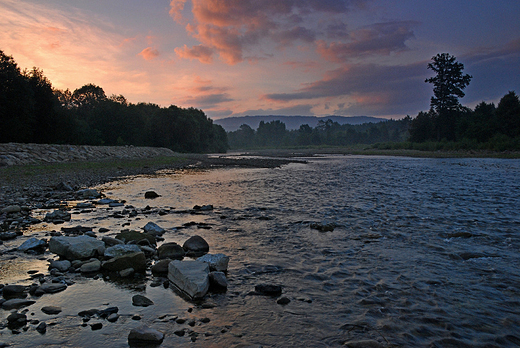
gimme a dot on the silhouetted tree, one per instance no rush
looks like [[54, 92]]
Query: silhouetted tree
[[508, 115]]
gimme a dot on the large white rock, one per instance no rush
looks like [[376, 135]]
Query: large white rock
[[216, 262], [191, 277], [76, 248]]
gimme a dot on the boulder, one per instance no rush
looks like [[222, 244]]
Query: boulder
[[88, 194], [121, 249], [145, 336], [11, 209], [218, 280], [51, 288], [50, 310], [33, 244], [16, 303], [76, 248], [10, 291], [137, 261], [141, 301], [109, 241], [216, 262], [161, 267], [151, 194], [58, 215], [190, 277], [16, 320], [195, 246], [61, 266], [91, 266], [170, 251], [136, 237], [153, 229]]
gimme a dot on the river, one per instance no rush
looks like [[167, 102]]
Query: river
[[424, 253]]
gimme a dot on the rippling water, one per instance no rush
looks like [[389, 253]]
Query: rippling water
[[425, 251]]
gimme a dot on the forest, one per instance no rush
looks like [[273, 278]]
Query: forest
[[32, 111]]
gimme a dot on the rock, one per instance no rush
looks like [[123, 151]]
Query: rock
[[113, 317], [145, 336], [10, 291], [41, 328], [51, 288], [195, 246], [63, 186], [218, 280], [84, 205], [61, 266], [51, 310], [88, 194], [269, 289], [283, 301], [161, 267], [136, 237], [137, 261], [206, 207], [323, 227], [121, 249], [58, 215], [171, 251], [141, 301], [126, 273], [151, 194], [76, 248], [11, 209], [91, 266], [154, 229], [16, 320], [217, 262], [96, 326], [33, 244], [109, 241], [363, 344], [190, 277], [16, 303]]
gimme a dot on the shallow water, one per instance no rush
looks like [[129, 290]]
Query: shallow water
[[425, 253]]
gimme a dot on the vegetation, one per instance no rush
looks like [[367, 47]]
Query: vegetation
[[31, 110], [447, 126]]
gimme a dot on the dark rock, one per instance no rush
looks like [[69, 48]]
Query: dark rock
[[161, 267], [195, 246], [41, 328], [16, 320], [51, 310], [61, 266], [135, 237], [96, 326], [283, 301], [10, 291], [323, 227], [137, 261], [218, 281], [53, 287], [145, 336], [89, 313], [16, 303], [151, 194], [110, 242], [171, 251], [141, 301], [35, 244], [153, 229], [268, 289], [58, 215]]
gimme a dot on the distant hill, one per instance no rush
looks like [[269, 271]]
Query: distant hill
[[231, 124]]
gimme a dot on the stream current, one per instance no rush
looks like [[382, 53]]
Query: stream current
[[424, 253]]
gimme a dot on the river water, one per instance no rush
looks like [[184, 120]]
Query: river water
[[424, 253]]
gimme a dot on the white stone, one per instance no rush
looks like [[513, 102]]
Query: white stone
[[191, 277], [76, 248]]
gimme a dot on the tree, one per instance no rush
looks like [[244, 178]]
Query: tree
[[508, 114], [88, 96], [448, 85]]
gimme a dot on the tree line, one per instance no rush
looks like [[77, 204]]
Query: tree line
[[446, 126], [32, 111]]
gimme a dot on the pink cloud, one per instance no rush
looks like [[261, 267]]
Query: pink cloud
[[149, 53], [233, 27], [202, 53]]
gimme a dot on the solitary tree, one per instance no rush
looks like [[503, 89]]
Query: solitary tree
[[448, 85]]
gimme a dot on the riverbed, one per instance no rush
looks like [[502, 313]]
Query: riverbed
[[423, 252]]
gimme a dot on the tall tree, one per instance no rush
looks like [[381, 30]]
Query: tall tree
[[448, 85]]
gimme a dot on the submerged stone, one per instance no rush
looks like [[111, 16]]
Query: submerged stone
[[190, 277]]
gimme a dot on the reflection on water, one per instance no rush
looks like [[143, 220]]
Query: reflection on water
[[425, 251]]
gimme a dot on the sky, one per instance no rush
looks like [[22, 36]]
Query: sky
[[268, 57]]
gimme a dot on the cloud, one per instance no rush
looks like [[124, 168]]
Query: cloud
[[233, 27], [300, 109], [202, 53], [203, 94], [379, 38], [149, 53], [367, 87]]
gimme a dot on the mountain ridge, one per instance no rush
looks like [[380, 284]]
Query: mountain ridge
[[231, 124]]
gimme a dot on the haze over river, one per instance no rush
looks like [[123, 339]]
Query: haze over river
[[425, 252]]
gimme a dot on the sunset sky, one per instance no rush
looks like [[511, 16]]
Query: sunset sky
[[262, 57]]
